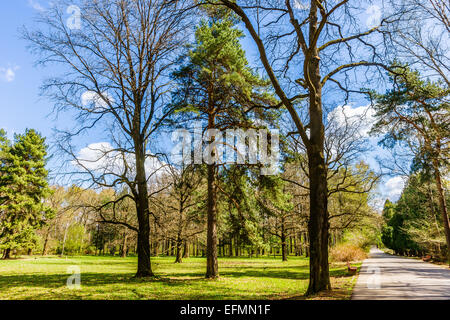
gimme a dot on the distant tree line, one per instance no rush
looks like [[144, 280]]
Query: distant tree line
[[266, 221]]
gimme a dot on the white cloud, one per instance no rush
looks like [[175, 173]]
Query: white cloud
[[101, 157], [97, 156], [393, 188], [89, 97], [300, 6], [8, 74], [363, 117], [390, 189], [35, 5]]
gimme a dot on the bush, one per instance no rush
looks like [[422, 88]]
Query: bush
[[345, 252]]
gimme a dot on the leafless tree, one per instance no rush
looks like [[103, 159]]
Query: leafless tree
[[115, 57], [349, 180], [422, 36], [306, 49]]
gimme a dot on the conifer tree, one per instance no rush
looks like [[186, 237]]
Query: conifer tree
[[416, 113], [217, 87], [23, 190]]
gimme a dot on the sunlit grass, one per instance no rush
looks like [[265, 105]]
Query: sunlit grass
[[112, 278]]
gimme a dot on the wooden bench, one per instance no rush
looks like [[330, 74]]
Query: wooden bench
[[426, 258], [350, 269]]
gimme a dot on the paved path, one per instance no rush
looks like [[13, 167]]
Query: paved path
[[387, 277]]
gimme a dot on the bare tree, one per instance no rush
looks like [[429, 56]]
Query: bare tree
[[349, 180], [115, 56], [303, 49], [421, 38]]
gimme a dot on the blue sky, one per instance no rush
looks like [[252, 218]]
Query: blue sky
[[21, 105]]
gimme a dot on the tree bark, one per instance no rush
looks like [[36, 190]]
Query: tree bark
[[283, 248], [318, 229], [283, 242], [212, 266], [123, 254], [318, 226], [179, 245], [186, 249], [142, 209], [45, 247], [7, 254]]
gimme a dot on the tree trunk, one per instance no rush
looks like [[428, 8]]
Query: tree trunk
[[319, 278], [7, 254], [179, 244], [123, 254], [283, 242], [142, 209], [64, 240], [318, 229], [212, 266], [283, 248], [45, 247], [291, 246], [186, 249], [172, 248], [442, 206]]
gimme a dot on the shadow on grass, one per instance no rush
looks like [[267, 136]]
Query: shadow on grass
[[58, 280], [287, 272], [173, 278], [128, 287]]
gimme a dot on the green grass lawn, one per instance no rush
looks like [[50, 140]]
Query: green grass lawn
[[112, 278]]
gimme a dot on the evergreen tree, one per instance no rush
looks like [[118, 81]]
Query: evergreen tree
[[416, 113], [23, 189], [217, 87], [412, 225], [242, 217], [277, 206]]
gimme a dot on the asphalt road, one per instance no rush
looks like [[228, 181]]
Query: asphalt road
[[387, 277]]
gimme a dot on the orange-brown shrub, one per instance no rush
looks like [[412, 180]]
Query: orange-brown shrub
[[345, 252]]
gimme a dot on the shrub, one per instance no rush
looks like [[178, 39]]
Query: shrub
[[345, 252]]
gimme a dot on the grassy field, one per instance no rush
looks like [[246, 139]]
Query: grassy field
[[112, 278]]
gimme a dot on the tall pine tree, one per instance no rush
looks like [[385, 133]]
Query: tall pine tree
[[217, 87], [23, 190]]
